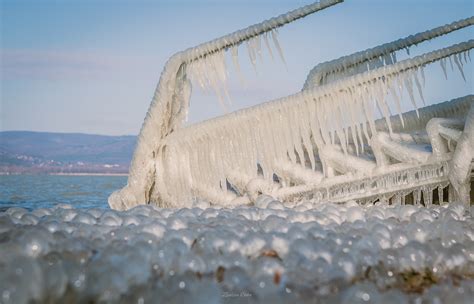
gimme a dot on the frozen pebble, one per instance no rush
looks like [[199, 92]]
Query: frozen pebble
[[270, 251]]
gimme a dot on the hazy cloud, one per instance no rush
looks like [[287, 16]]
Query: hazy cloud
[[52, 65]]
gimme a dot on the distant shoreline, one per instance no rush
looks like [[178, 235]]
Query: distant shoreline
[[99, 174], [67, 174]]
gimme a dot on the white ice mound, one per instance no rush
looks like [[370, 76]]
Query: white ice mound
[[337, 253]]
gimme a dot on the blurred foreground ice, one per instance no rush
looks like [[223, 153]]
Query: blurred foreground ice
[[266, 253]]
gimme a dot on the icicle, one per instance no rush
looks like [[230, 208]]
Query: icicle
[[224, 71], [219, 96], [397, 104], [418, 85], [443, 66], [251, 53], [250, 159], [258, 47], [408, 51], [305, 131], [226, 93], [422, 71], [427, 196], [265, 37], [368, 112], [388, 59], [315, 122], [450, 194], [409, 87], [460, 59], [272, 134], [195, 74], [380, 99], [456, 60], [338, 119], [321, 114], [277, 45], [359, 116], [218, 64], [264, 155], [451, 63], [394, 57], [359, 135], [296, 133], [327, 113], [345, 118], [440, 195], [353, 122], [205, 73], [416, 197], [219, 159], [288, 138], [235, 59], [363, 113]]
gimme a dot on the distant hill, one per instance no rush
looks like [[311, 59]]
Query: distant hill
[[42, 152]]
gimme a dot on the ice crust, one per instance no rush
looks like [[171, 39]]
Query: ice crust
[[270, 252]]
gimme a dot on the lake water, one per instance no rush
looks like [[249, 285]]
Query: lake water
[[45, 191]]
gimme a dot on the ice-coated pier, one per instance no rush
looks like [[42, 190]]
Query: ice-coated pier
[[330, 195], [343, 137]]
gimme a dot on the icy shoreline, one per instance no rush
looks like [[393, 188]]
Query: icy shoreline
[[269, 252]]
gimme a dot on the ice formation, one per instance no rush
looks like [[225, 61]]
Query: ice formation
[[381, 55], [199, 160], [323, 143], [169, 105], [267, 253]]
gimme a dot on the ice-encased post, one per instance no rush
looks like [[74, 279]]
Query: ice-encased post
[[169, 105], [460, 167]]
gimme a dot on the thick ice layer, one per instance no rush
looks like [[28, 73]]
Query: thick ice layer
[[267, 253]]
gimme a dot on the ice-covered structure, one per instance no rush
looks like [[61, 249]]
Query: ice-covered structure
[[323, 143]]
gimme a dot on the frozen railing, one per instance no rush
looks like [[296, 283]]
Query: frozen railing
[[169, 106], [394, 182], [378, 56], [325, 135], [201, 160]]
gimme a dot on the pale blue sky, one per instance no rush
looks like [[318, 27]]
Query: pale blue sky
[[92, 66]]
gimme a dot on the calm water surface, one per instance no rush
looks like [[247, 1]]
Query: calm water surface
[[45, 191]]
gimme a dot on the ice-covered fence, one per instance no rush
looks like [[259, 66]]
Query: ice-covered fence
[[405, 165], [378, 56], [307, 139], [230, 158], [169, 106]]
